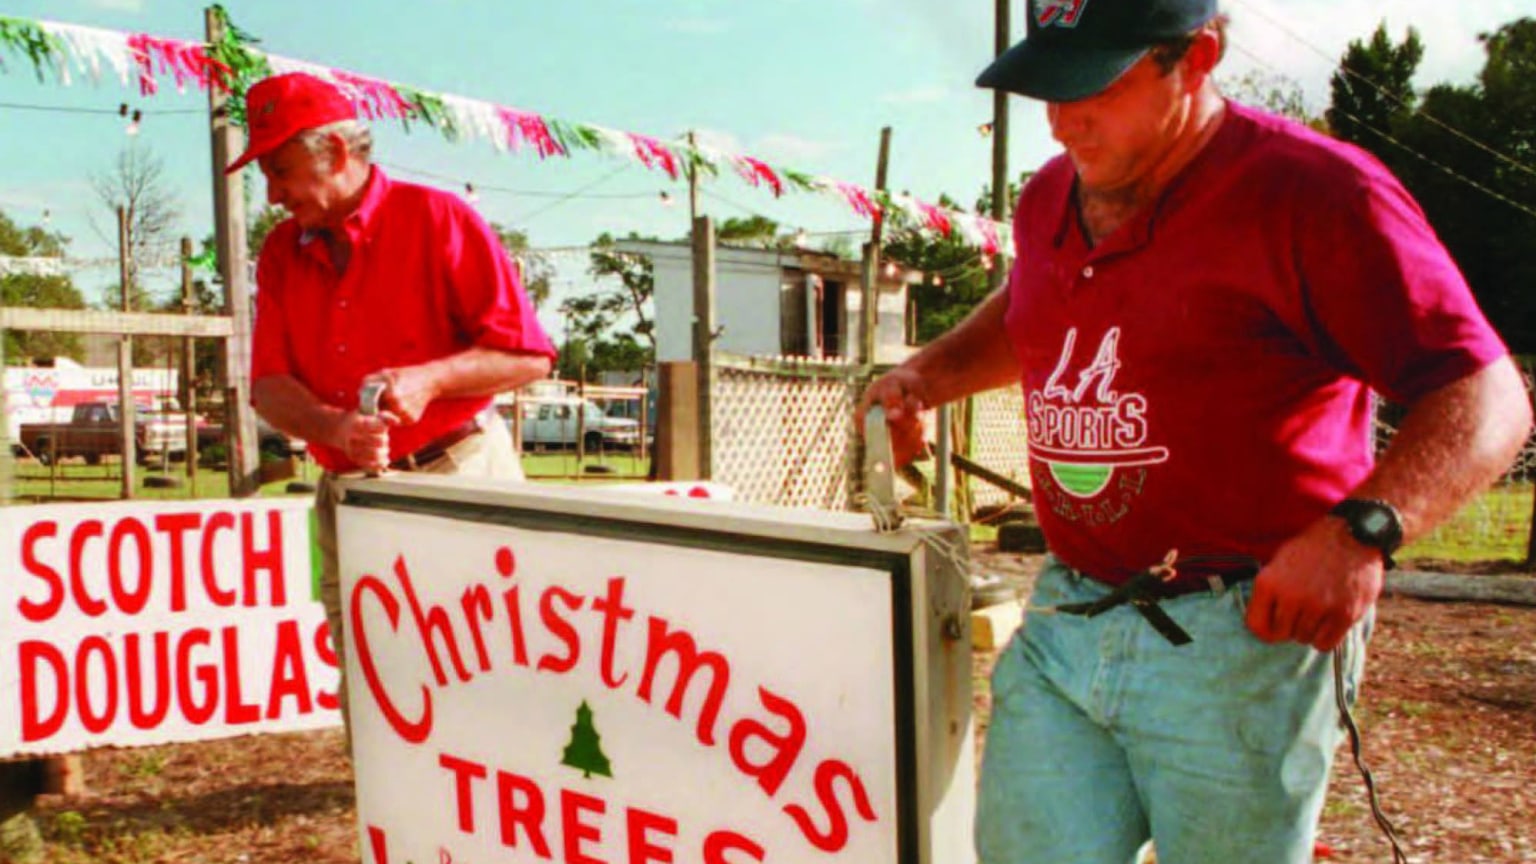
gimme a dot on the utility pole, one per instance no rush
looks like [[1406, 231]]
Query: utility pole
[[125, 361], [869, 300], [693, 182], [704, 334], [1002, 39], [229, 235], [189, 363]]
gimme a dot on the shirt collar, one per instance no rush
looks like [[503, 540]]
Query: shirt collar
[[361, 222]]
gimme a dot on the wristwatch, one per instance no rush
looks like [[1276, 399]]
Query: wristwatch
[[1374, 523]]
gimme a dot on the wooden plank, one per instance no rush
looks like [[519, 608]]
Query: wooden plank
[[992, 626], [114, 322]]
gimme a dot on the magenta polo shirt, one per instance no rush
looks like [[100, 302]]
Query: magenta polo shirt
[[1201, 379], [427, 278]]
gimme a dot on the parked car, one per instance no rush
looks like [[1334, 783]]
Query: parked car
[[94, 430], [553, 421], [270, 441]]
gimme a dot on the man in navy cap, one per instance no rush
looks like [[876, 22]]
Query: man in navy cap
[[1203, 300]]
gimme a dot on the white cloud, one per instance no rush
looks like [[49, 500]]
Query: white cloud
[[697, 26], [923, 95], [793, 149], [117, 5], [715, 139]]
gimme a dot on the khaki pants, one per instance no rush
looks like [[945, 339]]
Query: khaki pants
[[489, 454]]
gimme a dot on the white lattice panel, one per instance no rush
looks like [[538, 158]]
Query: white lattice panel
[[782, 432], [999, 441]]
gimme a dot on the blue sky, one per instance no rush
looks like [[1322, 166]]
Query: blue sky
[[801, 83]]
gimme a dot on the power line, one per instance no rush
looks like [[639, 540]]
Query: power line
[[573, 195], [115, 112], [478, 187], [1416, 154], [1350, 73]]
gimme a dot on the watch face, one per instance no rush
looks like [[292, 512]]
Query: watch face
[[1375, 522]]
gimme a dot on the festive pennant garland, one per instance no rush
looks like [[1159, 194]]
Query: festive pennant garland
[[232, 64]]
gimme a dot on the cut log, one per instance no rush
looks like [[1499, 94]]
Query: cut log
[[1510, 590]]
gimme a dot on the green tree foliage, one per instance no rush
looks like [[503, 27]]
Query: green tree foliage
[[1275, 93], [43, 292], [758, 231], [1468, 156], [596, 339], [537, 271], [1372, 90]]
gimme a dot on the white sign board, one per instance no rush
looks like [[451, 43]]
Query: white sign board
[[528, 685], [135, 623]]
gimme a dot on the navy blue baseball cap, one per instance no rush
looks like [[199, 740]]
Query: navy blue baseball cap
[[1073, 49]]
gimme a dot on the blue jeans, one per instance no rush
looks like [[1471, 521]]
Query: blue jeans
[[1104, 734]]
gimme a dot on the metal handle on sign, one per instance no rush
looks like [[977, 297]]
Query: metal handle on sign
[[368, 398], [880, 471]]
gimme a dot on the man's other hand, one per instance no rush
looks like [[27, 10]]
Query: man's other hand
[[365, 439], [408, 390], [1316, 587], [900, 392]]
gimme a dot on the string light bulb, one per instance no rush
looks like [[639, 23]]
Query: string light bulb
[[666, 198], [801, 237], [470, 194], [984, 129], [890, 270], [133, 118]]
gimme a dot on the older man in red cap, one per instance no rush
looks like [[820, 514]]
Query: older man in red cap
[[377, 281]]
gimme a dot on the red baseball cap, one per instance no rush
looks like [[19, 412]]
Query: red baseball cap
[[282, 106]]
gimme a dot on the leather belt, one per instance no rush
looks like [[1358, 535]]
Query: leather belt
[[436, 449], [1144, 590]]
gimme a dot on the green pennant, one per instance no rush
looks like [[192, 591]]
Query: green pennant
[[800, 180], [246, 64], [29, 38], [430, 109], [573, 136]]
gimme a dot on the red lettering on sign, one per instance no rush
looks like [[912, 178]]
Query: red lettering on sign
[[465, 773], [29, 561], [721, 842], [95, 721], [31, 653], [85, 531], [639, 824], [433, 622], [197, 713], [138, 682], [220, 521], [786, 747], [269, 559], [574, 831], [613, 611], [835, 837], [560, 627], [689, 660], [130, 602], [530, 814], [175, 526], [413, 731], [289, 678]]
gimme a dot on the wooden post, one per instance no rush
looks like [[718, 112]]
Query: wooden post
[[870, 282], [693, 183], [229, 236], [677, 423], [1001, 41], [125, 406], [704, 334], [189, 365], [581, 417]]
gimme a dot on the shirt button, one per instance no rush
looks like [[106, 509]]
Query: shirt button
[[1088, 272], [341, 349], [340, 394], [342, 303]]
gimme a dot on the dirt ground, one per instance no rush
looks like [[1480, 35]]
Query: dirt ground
[[1448, 712]]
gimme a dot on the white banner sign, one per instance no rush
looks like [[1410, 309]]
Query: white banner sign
[[136, 623], [524, 695]]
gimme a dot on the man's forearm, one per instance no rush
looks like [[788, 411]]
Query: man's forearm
[[1452, 445], [293, 408], [483, 372], [975, 355]]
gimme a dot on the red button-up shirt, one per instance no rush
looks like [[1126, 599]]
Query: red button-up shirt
[[426, 279]]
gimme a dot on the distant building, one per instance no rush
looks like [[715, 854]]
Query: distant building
[[772, 302]]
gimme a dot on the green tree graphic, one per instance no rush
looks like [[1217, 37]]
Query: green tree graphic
[[585, 752]]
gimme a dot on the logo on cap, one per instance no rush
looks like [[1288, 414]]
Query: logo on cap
[[1058, 13]]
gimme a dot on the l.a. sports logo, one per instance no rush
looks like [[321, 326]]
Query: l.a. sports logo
[[1058, 13], [1086, 431]]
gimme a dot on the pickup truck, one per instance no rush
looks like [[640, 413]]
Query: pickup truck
[[553, 422], [93, 431]]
